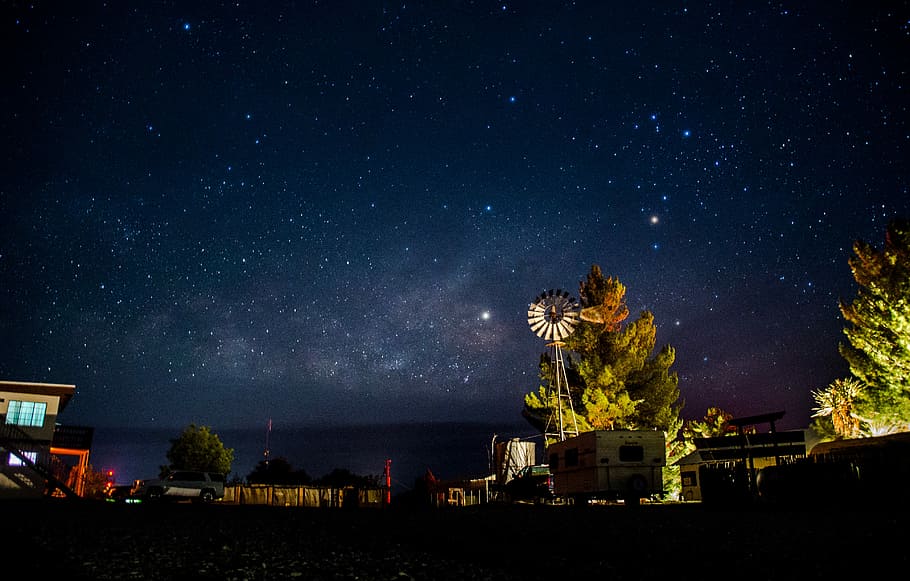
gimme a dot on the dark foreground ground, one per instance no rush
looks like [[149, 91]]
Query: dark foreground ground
[[89, 540]]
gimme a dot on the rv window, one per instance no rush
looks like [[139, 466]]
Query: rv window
[[631, 453], [689, 478], [572, 457]]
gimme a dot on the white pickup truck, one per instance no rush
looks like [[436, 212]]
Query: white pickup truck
[[184, 484]]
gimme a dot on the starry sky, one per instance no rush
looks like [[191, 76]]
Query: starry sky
[[335, 212]]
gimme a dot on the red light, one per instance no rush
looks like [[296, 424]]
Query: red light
[[109, 484]]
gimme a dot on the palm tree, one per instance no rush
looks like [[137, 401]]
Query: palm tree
[[838, 400]]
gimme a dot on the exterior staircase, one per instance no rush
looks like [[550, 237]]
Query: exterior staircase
[[45, 471]]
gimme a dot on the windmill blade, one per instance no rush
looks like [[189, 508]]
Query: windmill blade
[[565, 328], [558, 332], [540, 328], [551, 332], [534, 314]]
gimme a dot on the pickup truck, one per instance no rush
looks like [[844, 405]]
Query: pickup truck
[[184, 484], [532, 483]]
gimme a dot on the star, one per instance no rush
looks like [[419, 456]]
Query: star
[[291, 210]]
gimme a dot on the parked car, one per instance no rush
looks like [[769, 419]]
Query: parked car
[[531, 483], [184, 484]]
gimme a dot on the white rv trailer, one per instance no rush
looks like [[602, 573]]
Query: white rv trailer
[[609, 465]]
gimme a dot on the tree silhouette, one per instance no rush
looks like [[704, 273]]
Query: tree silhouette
[[199, 448], [878, 331], [277, 471]]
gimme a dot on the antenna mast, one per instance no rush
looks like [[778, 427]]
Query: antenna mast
[[268, 433]]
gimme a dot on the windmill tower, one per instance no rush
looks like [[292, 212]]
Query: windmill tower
[[553, 316]]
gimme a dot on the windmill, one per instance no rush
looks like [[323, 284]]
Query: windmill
[[553, 316]]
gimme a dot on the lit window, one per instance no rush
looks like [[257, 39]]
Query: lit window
[[17, 461], [26, 413]]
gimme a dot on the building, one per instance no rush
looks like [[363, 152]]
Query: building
[[38, 457], [725, 468]]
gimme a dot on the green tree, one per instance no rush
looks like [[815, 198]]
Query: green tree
[[715, 423], [878, 327], [614, 380], [198, 448], [838, 403]]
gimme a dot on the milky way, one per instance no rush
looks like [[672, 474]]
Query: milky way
[[328, 212]]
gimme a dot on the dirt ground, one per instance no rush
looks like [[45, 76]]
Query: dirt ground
[[163, 541]]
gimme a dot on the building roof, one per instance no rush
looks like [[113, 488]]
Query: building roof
[[689, 459], [64, 391], [894, 441], [768, 418]]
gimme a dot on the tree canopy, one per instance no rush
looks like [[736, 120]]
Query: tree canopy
[[715, 423], [615, 379], [878, 327], [341, 477], [198, 448], [277, 471]]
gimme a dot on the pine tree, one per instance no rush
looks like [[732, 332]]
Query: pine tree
[[878, 331], [614, 380]]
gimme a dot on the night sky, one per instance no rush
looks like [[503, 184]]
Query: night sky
[[338, 212]]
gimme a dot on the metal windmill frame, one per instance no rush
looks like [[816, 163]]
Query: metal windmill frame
[[553, 316]]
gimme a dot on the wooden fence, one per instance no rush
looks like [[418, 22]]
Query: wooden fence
[[304, 496]]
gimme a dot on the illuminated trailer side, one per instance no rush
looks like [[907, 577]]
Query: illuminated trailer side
[[609, 465]]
